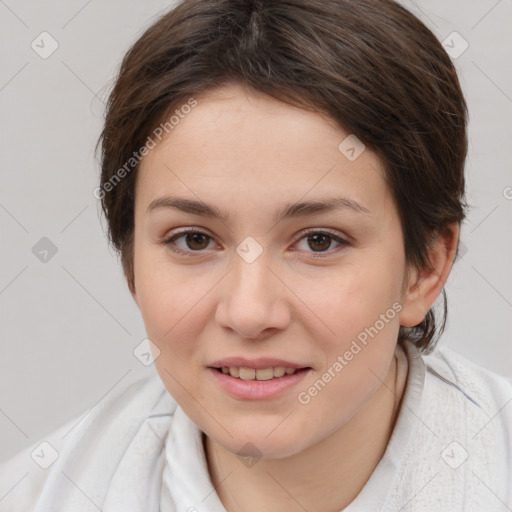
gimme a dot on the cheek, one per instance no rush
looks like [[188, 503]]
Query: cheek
[[363, 313], [165, 291], [355, 298], [170, 309], [162, 303], [361, 306], [170, 315]]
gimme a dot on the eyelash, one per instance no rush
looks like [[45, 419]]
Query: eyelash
[[322, 254]]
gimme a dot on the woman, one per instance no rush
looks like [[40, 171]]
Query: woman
[[284, 182]]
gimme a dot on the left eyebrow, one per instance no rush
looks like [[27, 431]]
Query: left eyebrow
[[320, 206], [197, 207]]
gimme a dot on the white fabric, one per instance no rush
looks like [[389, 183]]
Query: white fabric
[[138, 451]]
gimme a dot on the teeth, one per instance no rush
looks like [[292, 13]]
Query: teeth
[[247, 373], [260, 374], [265, 374], [279, 371]]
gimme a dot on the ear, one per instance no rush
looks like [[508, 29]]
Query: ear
[[425, 285]]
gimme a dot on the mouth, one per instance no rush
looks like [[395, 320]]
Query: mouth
[[246, 373], [246, 383], [270, 373]]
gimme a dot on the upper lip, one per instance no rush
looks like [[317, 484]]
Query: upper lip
[[261, 362]]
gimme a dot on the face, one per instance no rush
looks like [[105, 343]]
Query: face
[[318, 288]]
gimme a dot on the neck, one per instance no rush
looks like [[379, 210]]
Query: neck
[[326, 476]]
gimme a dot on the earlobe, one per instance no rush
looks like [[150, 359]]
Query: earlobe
[[426, 284]]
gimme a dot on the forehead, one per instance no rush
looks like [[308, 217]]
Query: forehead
[[237, 147]]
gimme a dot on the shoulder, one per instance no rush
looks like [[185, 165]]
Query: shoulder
[[462, 442], [482, 387], [103, 429], [476, 401], [457, 429]]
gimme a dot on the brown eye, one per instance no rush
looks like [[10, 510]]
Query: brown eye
[[193, 241], [196, 241], [319, 242]]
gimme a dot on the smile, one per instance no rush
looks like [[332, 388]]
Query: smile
[[248, 384], [244, 373]]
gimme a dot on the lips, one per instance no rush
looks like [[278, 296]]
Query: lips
[[255, 389]]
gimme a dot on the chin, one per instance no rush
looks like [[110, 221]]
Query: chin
[[257, 444]]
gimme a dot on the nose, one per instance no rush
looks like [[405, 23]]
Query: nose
[[254, 303]]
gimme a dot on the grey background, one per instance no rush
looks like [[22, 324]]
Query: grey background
[[69, 325]]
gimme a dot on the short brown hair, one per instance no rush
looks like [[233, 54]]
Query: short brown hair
[[371, 65]]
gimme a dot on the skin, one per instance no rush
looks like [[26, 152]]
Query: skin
[[249, 155]]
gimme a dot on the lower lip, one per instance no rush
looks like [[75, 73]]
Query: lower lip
[[257, 389]]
